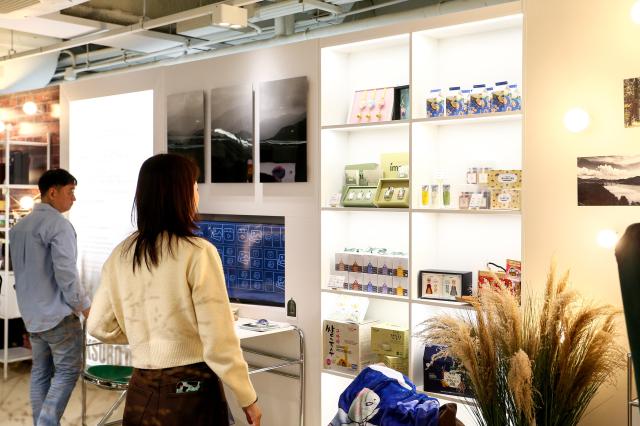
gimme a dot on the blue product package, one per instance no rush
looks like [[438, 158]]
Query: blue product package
[[516, 98], [443, 374], [500, 97], [380, 396], [479, 100], [455, 104], [435, 104], [466, 95]]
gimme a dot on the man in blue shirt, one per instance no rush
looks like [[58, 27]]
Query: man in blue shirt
[[50, 297]]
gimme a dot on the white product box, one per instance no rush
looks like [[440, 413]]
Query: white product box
[[370, 283], [385, 284], [340, 266], [400, 286], [356, 277], [370, 264], [385, 265], [400, 266], [346, 347]]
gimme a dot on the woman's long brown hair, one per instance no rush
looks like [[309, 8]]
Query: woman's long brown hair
[[164, 203]]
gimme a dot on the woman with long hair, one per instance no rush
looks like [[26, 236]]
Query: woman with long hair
[[163, 293]]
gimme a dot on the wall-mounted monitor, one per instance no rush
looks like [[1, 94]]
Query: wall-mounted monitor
[[252, 252]]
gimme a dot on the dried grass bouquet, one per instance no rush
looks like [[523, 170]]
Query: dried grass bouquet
[[541, 363]]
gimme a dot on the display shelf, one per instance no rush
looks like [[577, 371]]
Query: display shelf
[[443, 303], [339, 374], [367, 126], [15, 354], [366, 209], [25, 143], [466, 211], [18, 186], [380, 296], [471, 119]]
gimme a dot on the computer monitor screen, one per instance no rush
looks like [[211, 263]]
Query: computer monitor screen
[[252, 252]]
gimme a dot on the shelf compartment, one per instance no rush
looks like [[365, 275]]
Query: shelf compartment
[[494, 117], [15, 354], [403, 299], [347, 68], [466, 211]]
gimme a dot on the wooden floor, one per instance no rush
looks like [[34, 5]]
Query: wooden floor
[[15, 408]]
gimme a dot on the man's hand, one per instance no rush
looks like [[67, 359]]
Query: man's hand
[[253, 413]]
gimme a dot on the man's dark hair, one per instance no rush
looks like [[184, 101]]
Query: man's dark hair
[[55, 177]]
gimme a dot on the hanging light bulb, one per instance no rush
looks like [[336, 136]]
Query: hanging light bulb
[[635, 12], [30, 108], [26, 202]]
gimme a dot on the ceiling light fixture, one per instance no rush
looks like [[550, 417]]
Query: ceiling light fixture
[[225, 15], [70, 74], [30, 108], [635, 12]]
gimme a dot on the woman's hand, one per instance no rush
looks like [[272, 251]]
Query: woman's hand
[[253, 413]]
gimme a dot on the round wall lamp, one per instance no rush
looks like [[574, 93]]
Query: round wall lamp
[[576, 120], [635, 12], [30, 108], [26, 202], [607, 238]]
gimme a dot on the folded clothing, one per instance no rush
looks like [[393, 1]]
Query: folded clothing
[[380, 396]]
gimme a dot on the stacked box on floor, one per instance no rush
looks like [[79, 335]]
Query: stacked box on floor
[[347, 346], [391, 344]]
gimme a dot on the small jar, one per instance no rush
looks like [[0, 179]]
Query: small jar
[[435, 196], [446, 195], [483, 175], [425, 195], [472, 175], [463, 200]]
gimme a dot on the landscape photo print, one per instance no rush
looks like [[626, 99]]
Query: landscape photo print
[[609, 180]]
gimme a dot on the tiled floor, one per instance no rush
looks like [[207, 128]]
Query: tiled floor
[[15, 408]]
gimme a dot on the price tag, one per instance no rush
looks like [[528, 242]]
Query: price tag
[[335, 281]]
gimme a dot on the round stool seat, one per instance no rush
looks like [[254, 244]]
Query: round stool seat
[[110, 376]]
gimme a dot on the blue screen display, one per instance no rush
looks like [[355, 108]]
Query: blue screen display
[[252, 258]]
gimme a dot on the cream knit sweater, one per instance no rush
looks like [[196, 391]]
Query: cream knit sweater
[[176, 314]]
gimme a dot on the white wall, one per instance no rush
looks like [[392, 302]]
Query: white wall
[[297, 202], [577, 53]]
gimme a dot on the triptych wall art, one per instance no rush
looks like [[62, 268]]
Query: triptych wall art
[[273, 112]]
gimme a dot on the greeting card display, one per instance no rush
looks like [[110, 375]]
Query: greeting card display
[[372, 105]]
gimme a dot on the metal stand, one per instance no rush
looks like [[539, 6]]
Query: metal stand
[[631, 401], [286, 363]]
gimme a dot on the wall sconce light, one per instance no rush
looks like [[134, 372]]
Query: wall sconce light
[[635, 12], [607, 238], [576, 120], [30, 108]]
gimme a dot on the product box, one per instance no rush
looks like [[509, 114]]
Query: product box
[[392, 193], [385, 265], [340, 266], [488, 279], [356, 277], [400, 285], [395, 165], [369, 263], [435, 104], [401, 103], [390, 339], [365, 174], [430, 285], [501, 98], [444, 284], [370, 283], [443, 375], [385, 284], [400, 266], [505, 199], [347, 346], [505, 179], [358, 196], [372, 105], [396, 363]]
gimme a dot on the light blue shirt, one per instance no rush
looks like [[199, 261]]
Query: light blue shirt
[[44, 252]]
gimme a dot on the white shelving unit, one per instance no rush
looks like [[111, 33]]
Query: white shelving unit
[[8, 302], [441, 53]]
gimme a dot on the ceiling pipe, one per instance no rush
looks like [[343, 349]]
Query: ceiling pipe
[[421, 13], [102, 35]]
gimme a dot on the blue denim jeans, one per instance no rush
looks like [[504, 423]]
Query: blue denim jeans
[[57, 361]]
